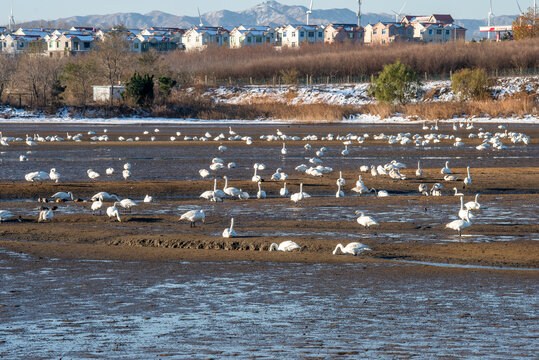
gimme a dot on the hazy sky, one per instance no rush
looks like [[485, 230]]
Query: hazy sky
[[25, 10]]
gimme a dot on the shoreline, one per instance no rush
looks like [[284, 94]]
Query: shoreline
[[466, 256]]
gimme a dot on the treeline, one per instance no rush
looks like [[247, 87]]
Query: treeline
[[32, 79]]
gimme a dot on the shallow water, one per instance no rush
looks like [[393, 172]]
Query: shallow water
[[170, 162], [107, 309]]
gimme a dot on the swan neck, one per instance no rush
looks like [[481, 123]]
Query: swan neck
[[231, 224]]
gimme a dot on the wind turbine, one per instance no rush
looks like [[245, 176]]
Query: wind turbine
[[358, 13], [309, 12], [397, 15], [490, 15], [199, 18], [521, 13], [11, 20]]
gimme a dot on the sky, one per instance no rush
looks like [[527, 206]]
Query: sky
[[25, 10]]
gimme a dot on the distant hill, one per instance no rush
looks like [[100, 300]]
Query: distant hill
[[270, 13]]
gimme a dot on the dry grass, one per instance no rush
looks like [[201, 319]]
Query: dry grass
[[204, 108], [343, 60], [517, 105]]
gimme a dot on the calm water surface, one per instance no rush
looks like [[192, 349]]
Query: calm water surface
[[139, 310]]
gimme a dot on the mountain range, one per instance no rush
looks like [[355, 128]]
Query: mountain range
[[271, 13]]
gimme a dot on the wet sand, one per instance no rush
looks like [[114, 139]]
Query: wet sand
[[152, 232]]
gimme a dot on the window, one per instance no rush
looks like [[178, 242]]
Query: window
[[320, 34], [248, 39], [447, 32], [430, 31], [136, 45], [293, 33], [50, 45], [284, 34], [259, 39], [383, 31], [311, 34], [86, 45], [374, 32], [439, 32], [301, 34], [351, 35], [66, 44]]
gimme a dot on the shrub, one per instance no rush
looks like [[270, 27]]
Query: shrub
[[165, 85], [290, 76], [470, 84], [140, 89], [397, 83]]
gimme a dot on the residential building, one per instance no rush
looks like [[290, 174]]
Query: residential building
[[294, 35], [68, 43], [438, 33], [251, 35], [343, 33], [199, 38], [437, 28], [388, 32], [15, 44]]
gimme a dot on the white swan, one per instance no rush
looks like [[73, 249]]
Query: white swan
[[450, 177], [446, 169], [6, 215], [288, 245], [339, 193], [365, 221], [97, 205], [341, 180], [46, 214], [419, 172], [380, 193], [148, 198], [283, 191], [299, 195], [127, 204], [468, 179], [109, 171], [243, 195], [106, 196], [92, 174], [463, 213], [423, 189], [284, 151], [277, 175], [230, 232], [193, 216], [54, 175], [63, 196], [112, 212], [229, 190], [360, 187], [457, 192], [208, 194], [126, 174], [261, 194], [460, 224], [345, 151], [354, 248], [256, 178], [473, 205], [37, 176]]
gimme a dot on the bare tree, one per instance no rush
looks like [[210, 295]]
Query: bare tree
[[112, 54], [77, 75], [8, 65], [39, 75]]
